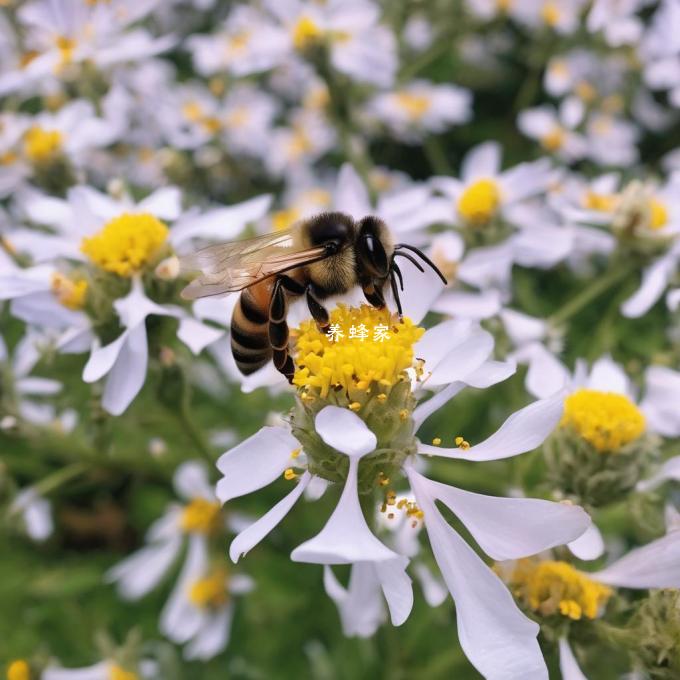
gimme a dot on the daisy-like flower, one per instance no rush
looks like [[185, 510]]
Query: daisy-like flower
[[359, 406], [562, 597], [200, 609], [420, 108], [561, 16], [357, 44], [556, 130], [617, 20], [121, 243], [64, 33]]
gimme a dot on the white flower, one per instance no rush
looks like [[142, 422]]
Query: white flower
[[421, 107], [104, 670], [662, 395], [36, 512], [617, 20], [555, 130]]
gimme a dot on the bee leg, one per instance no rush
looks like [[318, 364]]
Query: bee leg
[[373, 295], [278, 330], [316, 309]]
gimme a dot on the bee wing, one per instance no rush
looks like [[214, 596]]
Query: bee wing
[[230, 267]]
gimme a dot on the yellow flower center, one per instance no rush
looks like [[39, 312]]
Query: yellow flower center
[[606, 420], [479, 202], [201, 516], [550, 13], [118, 673], [238, 41], [18, 670], [600, 202], [551, 587], [553, 140], [504, 5], [211, 591], [70, 292], [284, 219], [585, 91], [41, 145], [126, 244], [658, 214], [299, 143], [364, 345], [306, 32], [415, 105], [66, 46]]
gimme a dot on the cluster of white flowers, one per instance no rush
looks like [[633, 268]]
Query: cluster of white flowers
[[530, 148]]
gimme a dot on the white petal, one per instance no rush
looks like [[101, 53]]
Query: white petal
[[102, 359], [191, 481], [672, 518], [256, 462], [252, 535], [469, 305], [351, 196], [607, 376], [669, 470], [99, 671], [421, 289], [346, 537], [523, 431], [213, 636], [165, 203], [547, 374], [344, 431], [37, 513], [361, 605], [180, 619], [37, 386], [568, 665], [490, 373], [655, 279], [241, 584], [510, 528], [196, 335], [660, 402], [142, 571], [463, 359], [521, 327], [655, 565], [495, 636], [423, 411], [434, 591], [588, 546], [397, 588], [128, 374], [483, 160]]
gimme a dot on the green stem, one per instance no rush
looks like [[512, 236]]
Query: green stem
[[436, 156], [194, 434], [588, 294], [60, 477]]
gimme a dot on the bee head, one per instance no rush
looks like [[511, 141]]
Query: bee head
[[331, 227], [372, 243]]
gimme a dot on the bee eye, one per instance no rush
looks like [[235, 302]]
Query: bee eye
[[372, 256]]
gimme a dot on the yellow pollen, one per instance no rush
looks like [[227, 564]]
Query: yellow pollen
[[118, 673], [606, 420], [585, 91], [284, 219], [18, 670], [601, 202], [211, 591], [299, 143], [550, 13], [383, 480], [201, 516], [479, 202], [461, 443], [289, 474], [41, 145], [126, 244], [305, 33], [192, 111], [403, 414], [437, 441], [66, 46], [324, 362], [658, 214], [415, 105], [239, 41], [553, 140], [70, 293], [551, 587], [295, 453], [355, 406]]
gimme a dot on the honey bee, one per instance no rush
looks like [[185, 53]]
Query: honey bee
[[325, 255]]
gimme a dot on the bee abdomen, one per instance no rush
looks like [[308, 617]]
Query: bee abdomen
[[250, 335]]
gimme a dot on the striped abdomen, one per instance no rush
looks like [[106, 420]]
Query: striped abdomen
[[250, 328]]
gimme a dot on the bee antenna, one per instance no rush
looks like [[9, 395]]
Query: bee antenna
[[395, 293], [411, 259], [424, 257]]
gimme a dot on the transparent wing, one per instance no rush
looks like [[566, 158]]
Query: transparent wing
[[230, 267]]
